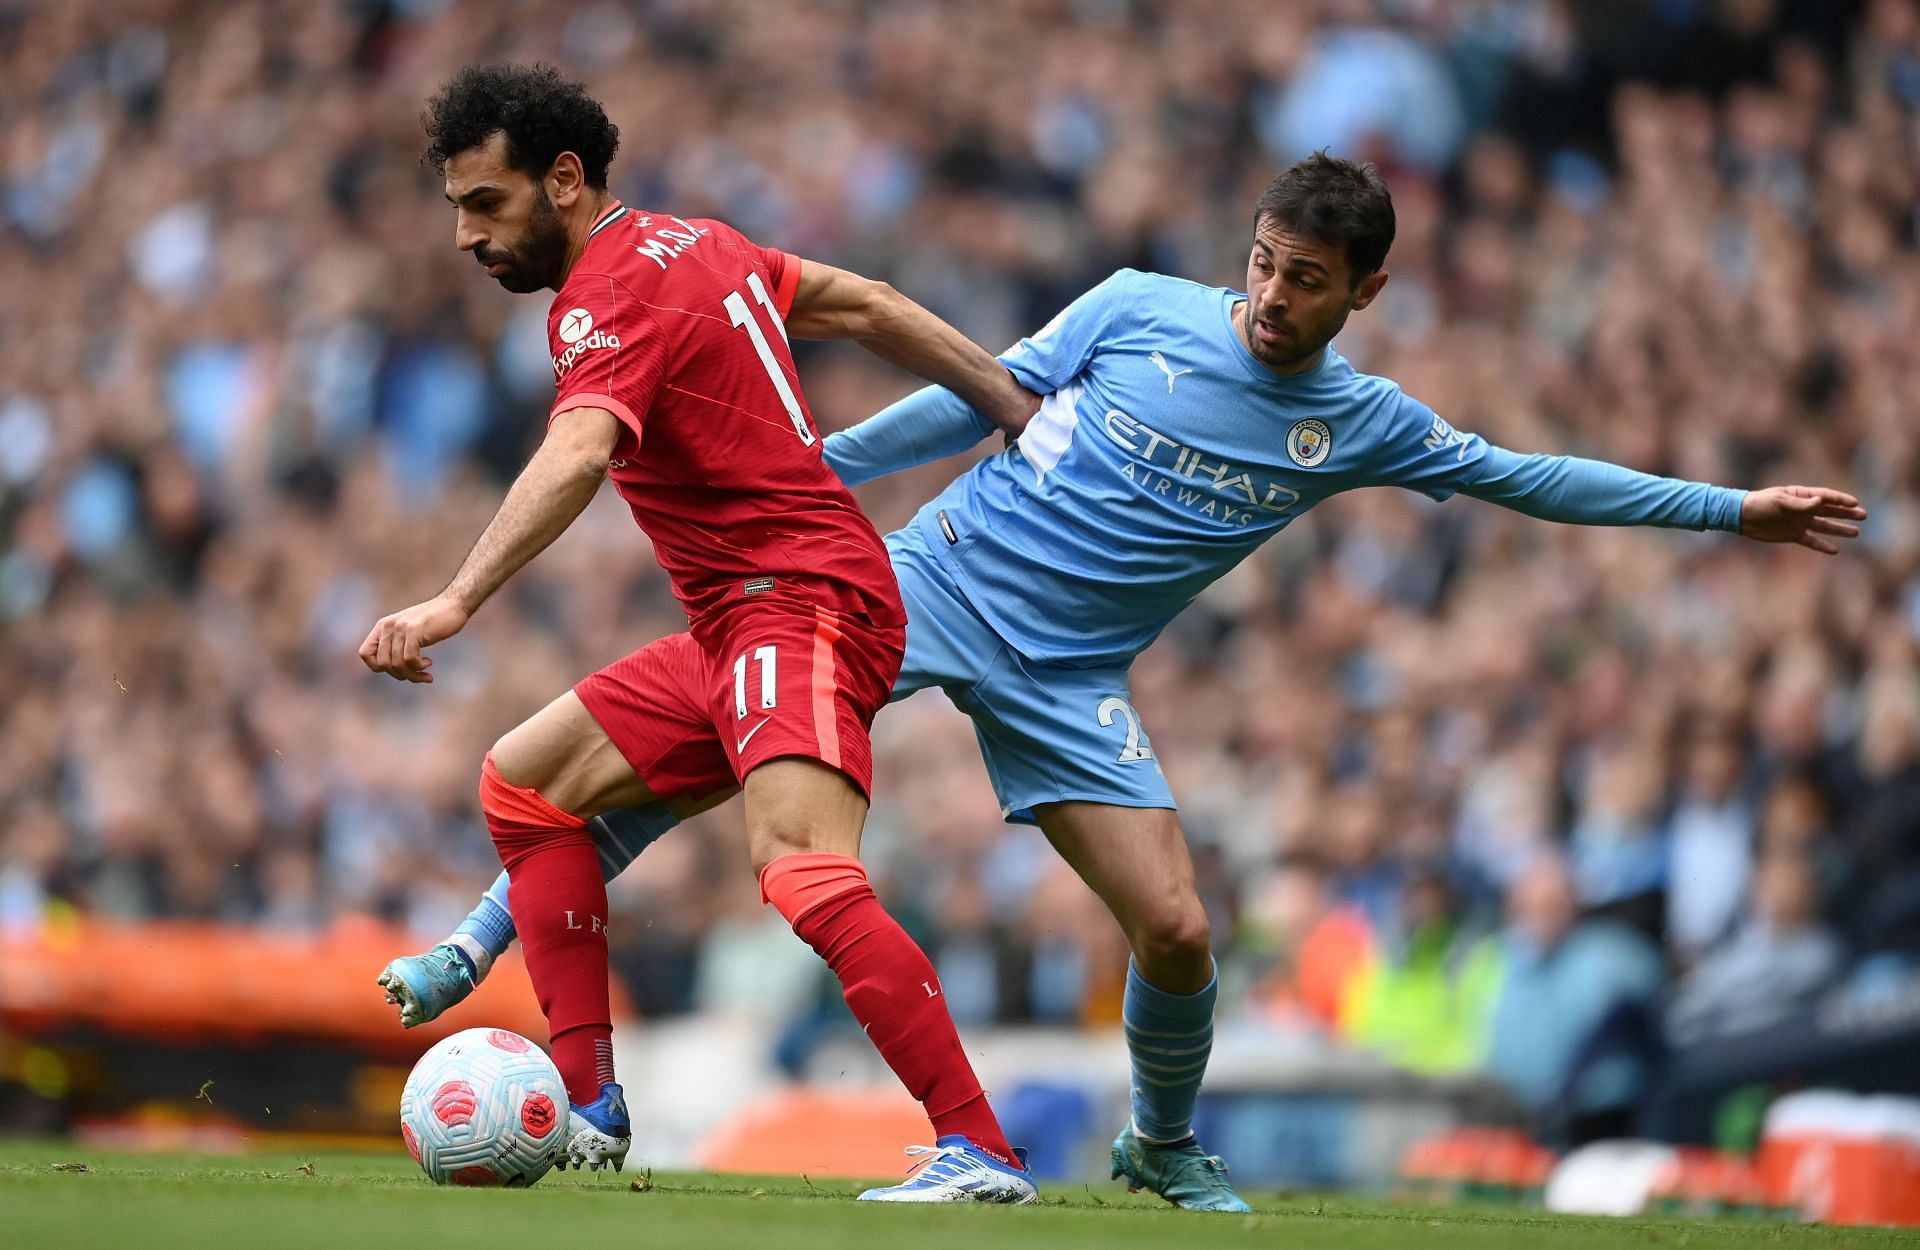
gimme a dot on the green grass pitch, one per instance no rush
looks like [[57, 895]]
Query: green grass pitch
[[370, 1202]]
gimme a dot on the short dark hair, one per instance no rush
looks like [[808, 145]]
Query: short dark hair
[[540, 113], [1331, 200]]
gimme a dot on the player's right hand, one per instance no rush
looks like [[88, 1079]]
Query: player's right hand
[[393, 645], [1812, 516]]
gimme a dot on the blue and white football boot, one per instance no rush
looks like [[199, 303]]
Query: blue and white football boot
[[599, 1133], [423, 986], [953, 1169]]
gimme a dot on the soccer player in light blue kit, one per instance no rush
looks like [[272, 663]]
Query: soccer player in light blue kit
[[1181, 427]]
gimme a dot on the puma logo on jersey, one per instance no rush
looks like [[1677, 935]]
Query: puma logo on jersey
[[1167, 369]]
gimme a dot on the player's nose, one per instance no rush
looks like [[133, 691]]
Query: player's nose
[[466, 237]]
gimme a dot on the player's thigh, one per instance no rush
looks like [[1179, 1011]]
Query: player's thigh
[[1049, 734], [651, 726], [561, 753], [794, 695], [1065, 750]]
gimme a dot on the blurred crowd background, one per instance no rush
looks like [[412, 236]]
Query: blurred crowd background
[[1463, 786]]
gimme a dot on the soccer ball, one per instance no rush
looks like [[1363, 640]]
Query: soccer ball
[[484, 1107]]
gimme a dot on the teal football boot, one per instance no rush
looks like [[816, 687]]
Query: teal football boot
[[1181, 1173]]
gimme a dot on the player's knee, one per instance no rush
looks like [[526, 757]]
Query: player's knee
[[778, 841], [499, 785], [798, 885], [778, 838], [558, 767], [519, 761], [1175, 935], [801, 807], [521, 820]]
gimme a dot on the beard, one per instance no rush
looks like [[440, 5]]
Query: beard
[[536, 262], [1299, 346]]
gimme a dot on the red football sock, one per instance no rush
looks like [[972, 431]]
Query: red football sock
[[890, 985], [559, 906]]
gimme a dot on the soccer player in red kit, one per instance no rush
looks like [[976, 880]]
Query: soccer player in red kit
[[674, 377]]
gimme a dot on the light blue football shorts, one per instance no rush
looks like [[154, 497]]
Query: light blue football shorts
[[1046, 732]]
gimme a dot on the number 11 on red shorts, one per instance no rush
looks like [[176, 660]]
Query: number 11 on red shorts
[[800, 683]]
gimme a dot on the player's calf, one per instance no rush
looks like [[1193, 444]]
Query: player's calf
[[560, 901], [426, 985]]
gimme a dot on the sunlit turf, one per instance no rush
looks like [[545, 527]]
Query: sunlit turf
[[290, 1199]]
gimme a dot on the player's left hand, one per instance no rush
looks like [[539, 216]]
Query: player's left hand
[[394, 644], [1812, 516]]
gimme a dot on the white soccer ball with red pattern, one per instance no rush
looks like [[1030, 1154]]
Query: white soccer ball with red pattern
[[484, 1107]]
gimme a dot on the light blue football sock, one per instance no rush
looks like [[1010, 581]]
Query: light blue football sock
[[1169, 1037], [621, 835], [490, 924], [618, 836]]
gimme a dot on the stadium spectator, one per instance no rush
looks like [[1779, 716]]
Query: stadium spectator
[[1780, 956], [1423, 1000], [1710, 844], [1297, 950], [1565, 982]]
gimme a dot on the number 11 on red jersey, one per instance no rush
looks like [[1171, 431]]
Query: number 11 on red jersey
[[743, 318]]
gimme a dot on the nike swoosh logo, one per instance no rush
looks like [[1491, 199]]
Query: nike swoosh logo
[[740, 744]]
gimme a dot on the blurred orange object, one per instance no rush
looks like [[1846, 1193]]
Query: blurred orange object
[[852, 1133], [1495, 1164], [1844, 1158], [1331, 957], [188, 983]]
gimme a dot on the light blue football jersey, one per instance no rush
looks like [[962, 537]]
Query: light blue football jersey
[[1164, 453]]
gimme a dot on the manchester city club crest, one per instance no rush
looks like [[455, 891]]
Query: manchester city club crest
[[1308, 442]]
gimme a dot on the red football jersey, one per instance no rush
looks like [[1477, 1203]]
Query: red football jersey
[[678, 328]]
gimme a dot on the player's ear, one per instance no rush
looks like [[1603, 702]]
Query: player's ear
[[1369, 288], [565, 180]]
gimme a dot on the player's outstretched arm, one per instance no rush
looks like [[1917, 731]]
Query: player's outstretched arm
[[832, 303], [550, 492], [1812, 516], [1594, 492], [930, 424]]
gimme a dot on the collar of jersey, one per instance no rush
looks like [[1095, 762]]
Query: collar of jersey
[[615, 211], [1251, 364]]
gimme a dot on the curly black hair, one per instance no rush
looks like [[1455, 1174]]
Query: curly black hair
[[541, 114]]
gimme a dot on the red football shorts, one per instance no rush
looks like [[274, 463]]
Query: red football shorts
[[773, 678]]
